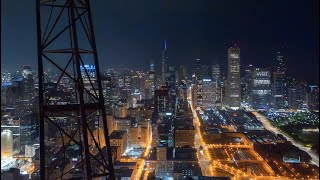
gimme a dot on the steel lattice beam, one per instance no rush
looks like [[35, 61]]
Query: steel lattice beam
[[66, 43]]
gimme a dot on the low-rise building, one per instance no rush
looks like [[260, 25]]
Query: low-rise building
[[184, 136]]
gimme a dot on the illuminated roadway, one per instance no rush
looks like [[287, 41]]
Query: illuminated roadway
[[229, 146], [143, 170], [203, 162], [268, 126], [203, 156]]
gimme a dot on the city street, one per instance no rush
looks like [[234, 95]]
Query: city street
[[204, 163]]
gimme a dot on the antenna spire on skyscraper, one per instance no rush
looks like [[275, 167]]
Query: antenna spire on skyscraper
[[165, 45]]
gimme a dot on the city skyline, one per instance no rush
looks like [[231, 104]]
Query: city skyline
[[160, 90], [134, 34]]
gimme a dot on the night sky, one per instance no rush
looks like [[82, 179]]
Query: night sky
[[132, 32]]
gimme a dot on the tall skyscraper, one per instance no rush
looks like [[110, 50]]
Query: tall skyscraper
[[8, 124], [302, 94], [297, 94], [6, 144], [233, 86], [281, 63], [216, 73], [197, 68], [281, 67], [194, 94], [161, 100], [125, 86], [199, 93], [209, 95], [313, 98], [216, 77], [110, 90], [152, 81], [279, 75], [28, 90], [247, 84], [278, 90], [172, 85], [171, 77], [106, 82], [261, 89], [201, 70], [181, 73], [205, 73], [163, 64], [292, 98]]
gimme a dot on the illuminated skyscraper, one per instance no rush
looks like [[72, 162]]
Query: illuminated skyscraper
[[164, 64], [216, 77], [197, 68], [26, 71], [88, 71], [209, 95], [152, 85], [28, 90], [297, 94], [194, 94], [279, 76], [199, 93], [6, 82], [247, 84], [161, 100], [6, 144], [292, 98], [6, 78], [125, 86], [302, 88], [281, 67], [113, 90], [216, 72], [280, 63], [181, 73], [171, 77], [278, 90], [233, 86], [13, 125], [201, 70], [261, 88], [313, 98], [107, 86], [182, 94]]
